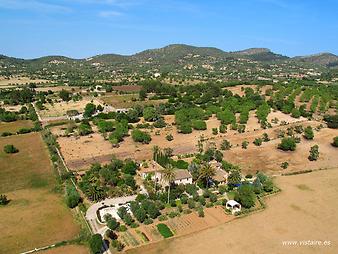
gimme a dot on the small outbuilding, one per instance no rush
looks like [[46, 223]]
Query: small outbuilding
[[233, 206]]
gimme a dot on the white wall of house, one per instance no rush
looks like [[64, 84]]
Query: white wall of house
[[184, 181]]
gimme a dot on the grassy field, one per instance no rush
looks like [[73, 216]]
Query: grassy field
[[306, 209], [29, 168], [15, 126], [36, 215]]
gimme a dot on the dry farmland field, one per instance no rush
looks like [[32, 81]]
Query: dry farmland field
[[126, 100], [15, 126], [61, 108], [36, 215], [14, 81], [80, 152], [306, 209]]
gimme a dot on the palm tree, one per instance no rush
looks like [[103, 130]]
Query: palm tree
[[156, 150], [206, 172], [168, 175]]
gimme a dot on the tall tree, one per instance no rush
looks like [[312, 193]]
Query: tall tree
[[168, 175], [206, 172]]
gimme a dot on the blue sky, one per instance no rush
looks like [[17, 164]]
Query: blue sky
[[82, 28]]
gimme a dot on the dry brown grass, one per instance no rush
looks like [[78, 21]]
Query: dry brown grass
[[294, 214], [36, 216], [12, 82], [15, 126], [61, 108]]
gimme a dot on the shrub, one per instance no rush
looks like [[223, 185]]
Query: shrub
[[200, 212], [332, 121], [257, 186], [222, 189], [96, 243], [140, 215], [213, 197], [258, 141], [72, 196], [335, 142], [84, 129], [308, 133], [113, 224], [162, 217], [191, 203], [185, 128], [284, 165], [3, 200], [122, 228], [173, 203], [201, 200], [140, 136], [214, 131], [218, 156], [148, 221], [245, 144], [10, 149], [199, 124], [181, 164], [226, 145], [134, 225], [164, 230], [287, 144], [295, 113], [184, 198], [314, 153], [169, 137], [128, 219], [223, 128], [173, 214], [265, 137], [160, 123], [245, 196], [268, 185]]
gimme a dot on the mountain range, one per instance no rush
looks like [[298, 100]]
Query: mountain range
[[177, 60], [174, 52]]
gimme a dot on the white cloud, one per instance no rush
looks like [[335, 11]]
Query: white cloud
[[32, 5], [107, 14]]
